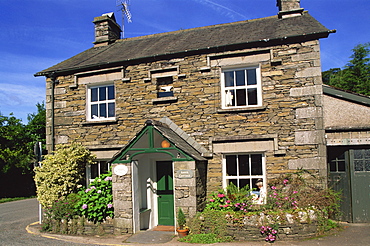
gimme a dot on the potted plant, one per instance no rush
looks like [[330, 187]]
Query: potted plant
[[181, 222]]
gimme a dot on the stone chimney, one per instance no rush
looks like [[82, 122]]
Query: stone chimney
[[106, 29], [289, 8]]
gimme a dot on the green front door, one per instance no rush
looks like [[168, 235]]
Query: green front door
[[165, 193]]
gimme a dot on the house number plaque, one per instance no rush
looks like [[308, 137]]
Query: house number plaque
[[185, 174], [120, 170]]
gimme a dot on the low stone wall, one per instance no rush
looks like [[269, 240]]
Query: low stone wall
[[300, 225], [79, 226]]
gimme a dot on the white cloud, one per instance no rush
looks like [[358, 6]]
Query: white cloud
[[223, 9]]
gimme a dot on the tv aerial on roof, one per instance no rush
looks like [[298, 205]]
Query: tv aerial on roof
[[124, 7]]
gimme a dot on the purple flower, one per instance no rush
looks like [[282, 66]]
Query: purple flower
[[92, 187], [87, 190], [99, 191], [273, 187], [109, 205], [108, 178], [84, 206], [211, 200]]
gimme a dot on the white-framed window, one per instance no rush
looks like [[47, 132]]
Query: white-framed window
[[101, 102], [244, 169], [241, 87], [96, 169]]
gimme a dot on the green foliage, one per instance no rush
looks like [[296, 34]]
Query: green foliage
[[63, 209], [209, 221], [17, 140], [13, 144], [205, 238], [355, 75], [61, 172], [181, 220], [96, 202], [234, 199]]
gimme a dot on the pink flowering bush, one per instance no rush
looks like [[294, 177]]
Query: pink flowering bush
[[282, 197], [269, 232], [234, 199], [96, 201]]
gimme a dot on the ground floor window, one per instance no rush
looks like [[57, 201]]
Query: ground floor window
[[243, 170], [95, 170]]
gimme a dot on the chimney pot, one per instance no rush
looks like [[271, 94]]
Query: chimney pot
[[289, 8], [107, 30]]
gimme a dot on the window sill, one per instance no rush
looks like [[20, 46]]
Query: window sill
[[164, 100], [231, 110], [100, 122]]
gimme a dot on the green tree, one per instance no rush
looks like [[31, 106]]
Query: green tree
[[355, 76], [16, 152]]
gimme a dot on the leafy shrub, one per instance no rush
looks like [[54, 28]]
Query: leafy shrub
[[64, 209], [204, 238], [209, 221], [61, 172], [181, 220], [96, 201]]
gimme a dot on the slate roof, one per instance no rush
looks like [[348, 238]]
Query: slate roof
[[242, 34], [172, 136]]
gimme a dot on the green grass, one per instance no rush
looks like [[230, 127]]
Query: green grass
[[3, 200]]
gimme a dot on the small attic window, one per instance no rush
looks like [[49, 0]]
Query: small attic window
[[164, 86]]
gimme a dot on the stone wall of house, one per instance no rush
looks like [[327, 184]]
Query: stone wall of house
[[122, 197], [292, 107]]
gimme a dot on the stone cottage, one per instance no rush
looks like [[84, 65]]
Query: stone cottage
[[181, 114]]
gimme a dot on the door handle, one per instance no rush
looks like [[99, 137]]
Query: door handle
[[159, 196]]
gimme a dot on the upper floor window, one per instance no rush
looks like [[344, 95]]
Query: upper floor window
[[165, 86], [241, 87], [101, 102]]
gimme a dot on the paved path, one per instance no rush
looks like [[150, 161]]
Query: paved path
[[14, 218], [18, 226]]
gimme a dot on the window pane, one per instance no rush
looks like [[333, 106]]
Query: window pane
[[102, 93], [251, 77], [111, 94], [111, 109], [256, 164], [94, 171], [232, 181], [240, 97], [243, 164], [103, 110], [359, 165], [229, 79], [367, 165], [231, 165], [103, 167], [244, 182], [341, 166], [333, 166], [94, 94], [230, 98], [94, 111], [252, 96], [240, 78], [254, 186]]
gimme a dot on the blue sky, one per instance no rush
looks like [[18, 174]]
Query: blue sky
[[36, 34]]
